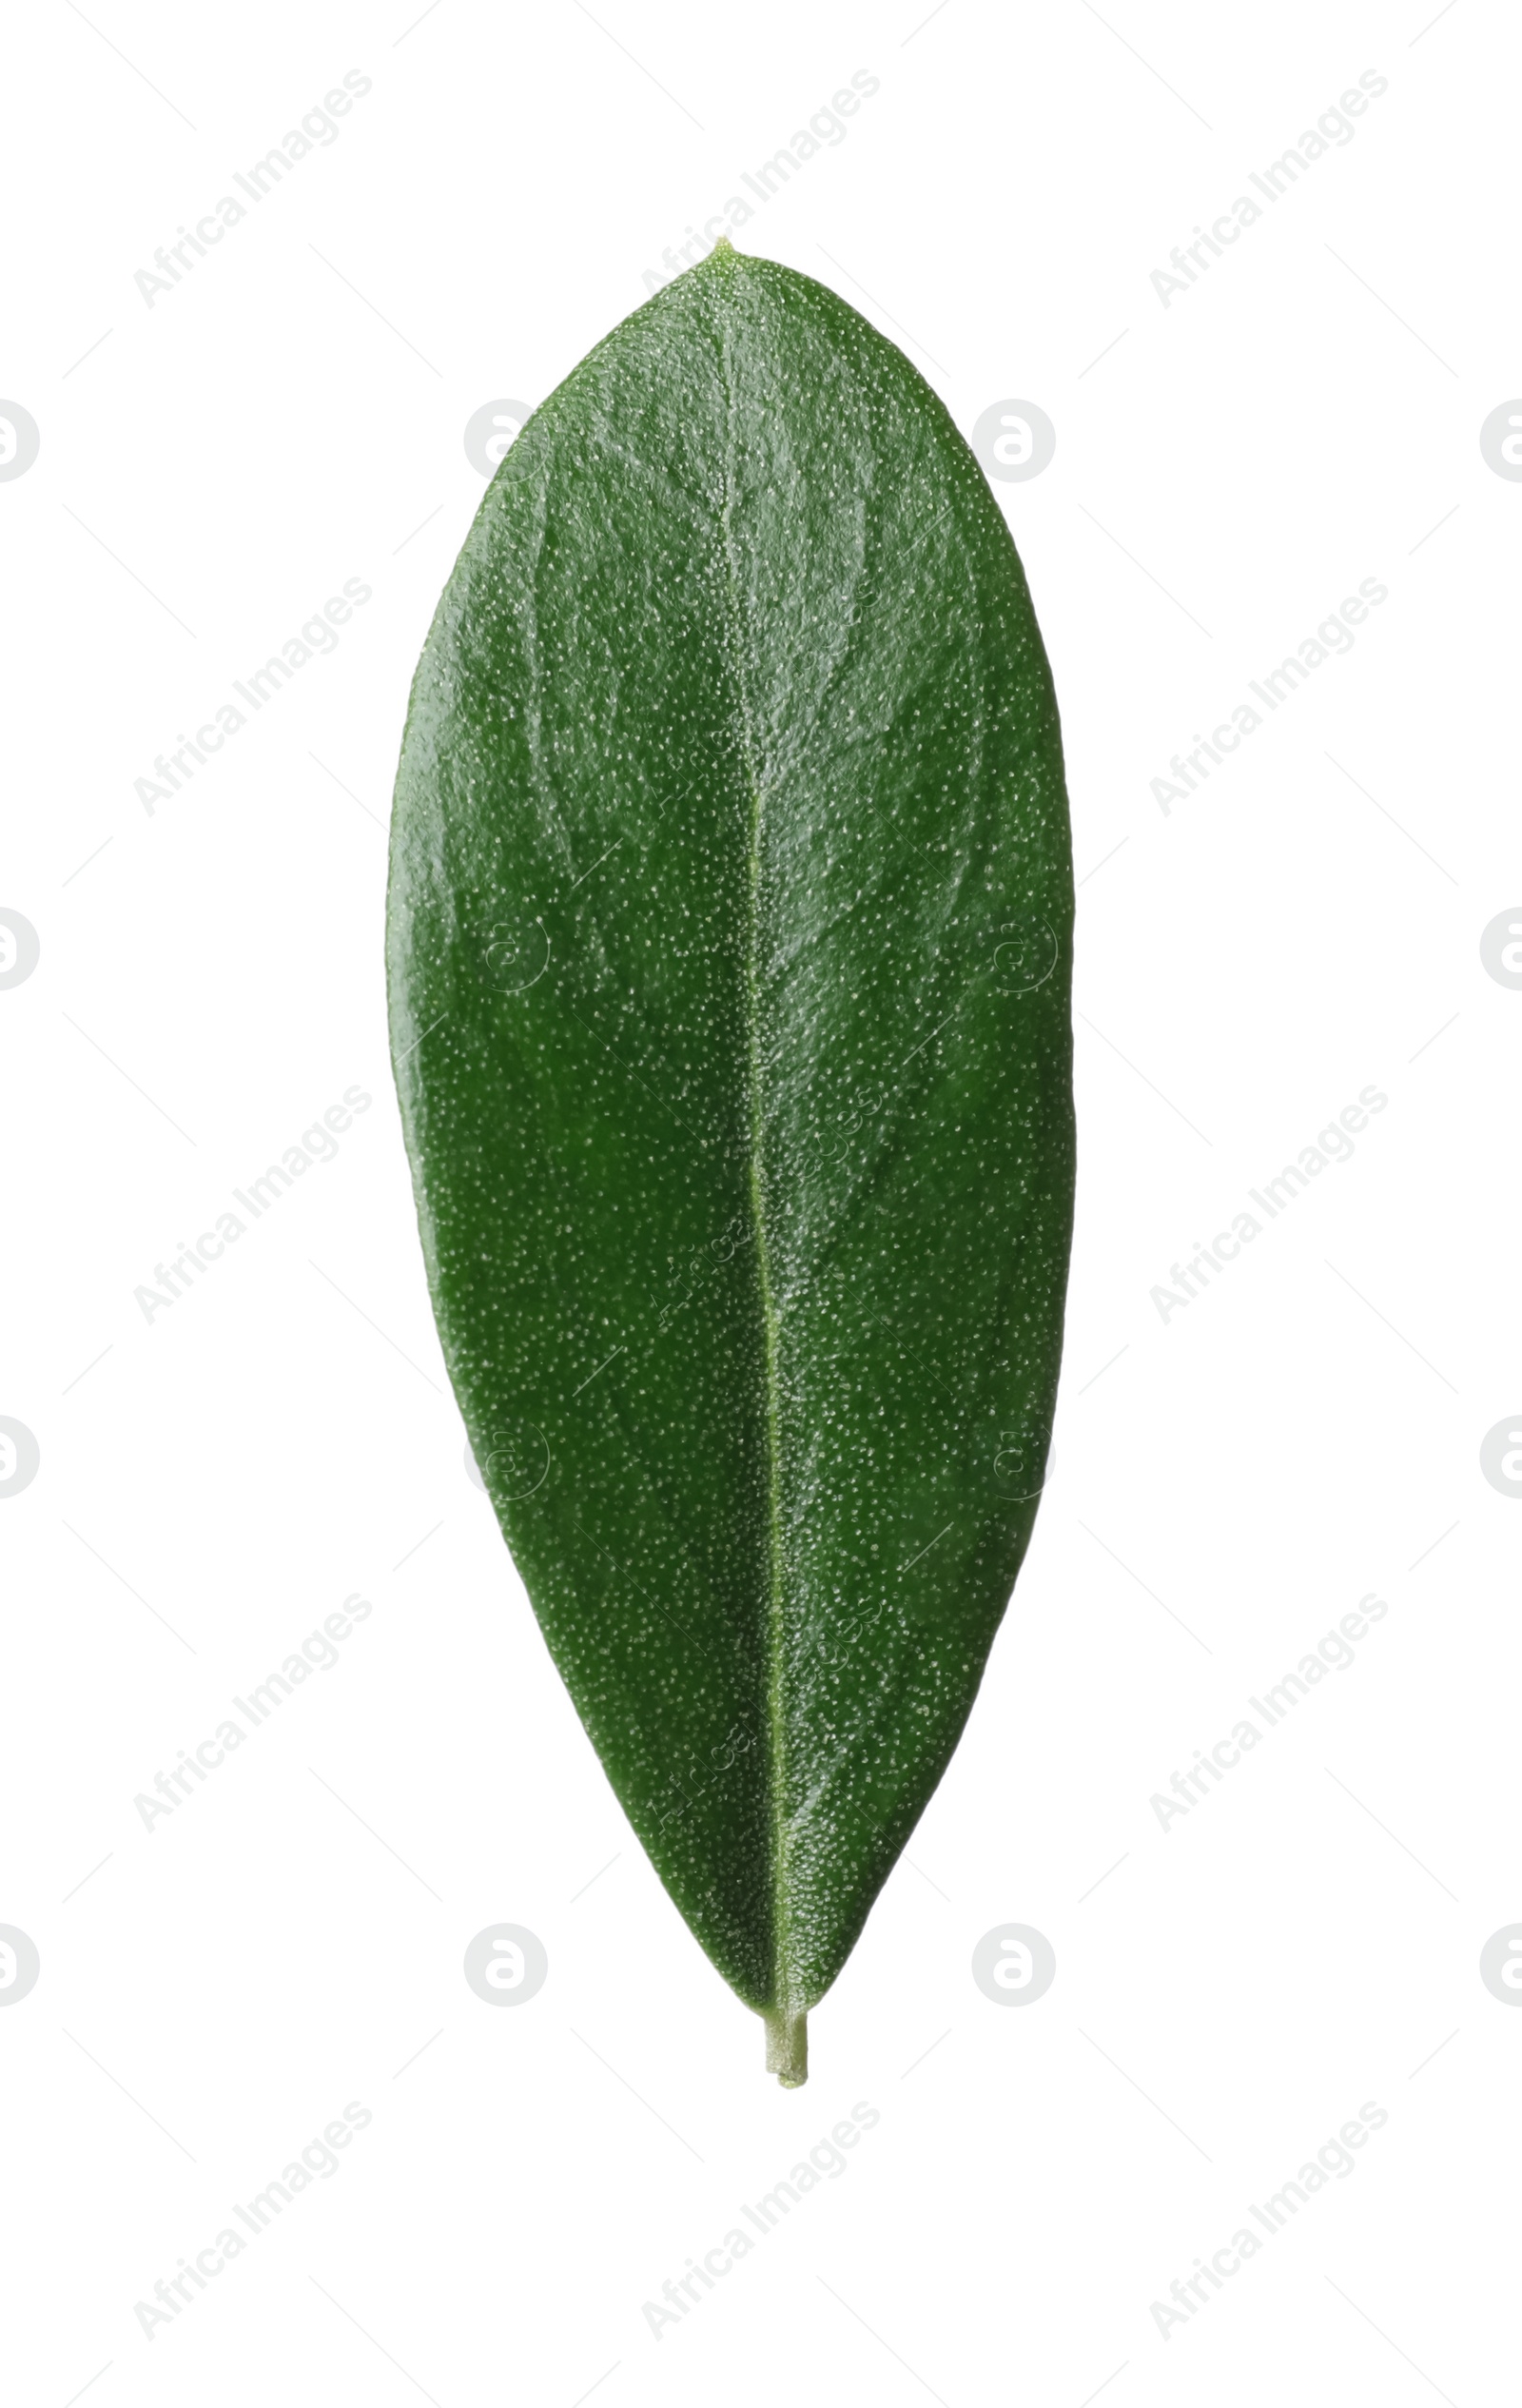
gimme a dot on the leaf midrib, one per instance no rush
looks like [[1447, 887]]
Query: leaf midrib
[[782, 1986]]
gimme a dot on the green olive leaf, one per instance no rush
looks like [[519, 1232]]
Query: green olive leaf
[[729, 943]]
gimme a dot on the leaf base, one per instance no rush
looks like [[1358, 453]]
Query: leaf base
[[786, 2046]]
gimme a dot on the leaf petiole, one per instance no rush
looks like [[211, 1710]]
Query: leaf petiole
[[787, 2046]]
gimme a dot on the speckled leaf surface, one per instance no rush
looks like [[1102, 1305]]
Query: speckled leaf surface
[[729, 943]]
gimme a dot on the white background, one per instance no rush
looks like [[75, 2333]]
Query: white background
[[1228, 1483]]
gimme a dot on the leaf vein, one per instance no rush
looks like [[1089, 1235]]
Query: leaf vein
[[785, 1996]]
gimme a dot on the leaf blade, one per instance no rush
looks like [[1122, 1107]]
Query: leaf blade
[[737, 682]]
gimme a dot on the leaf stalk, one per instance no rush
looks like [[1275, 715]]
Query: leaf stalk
[[787, 2046]]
